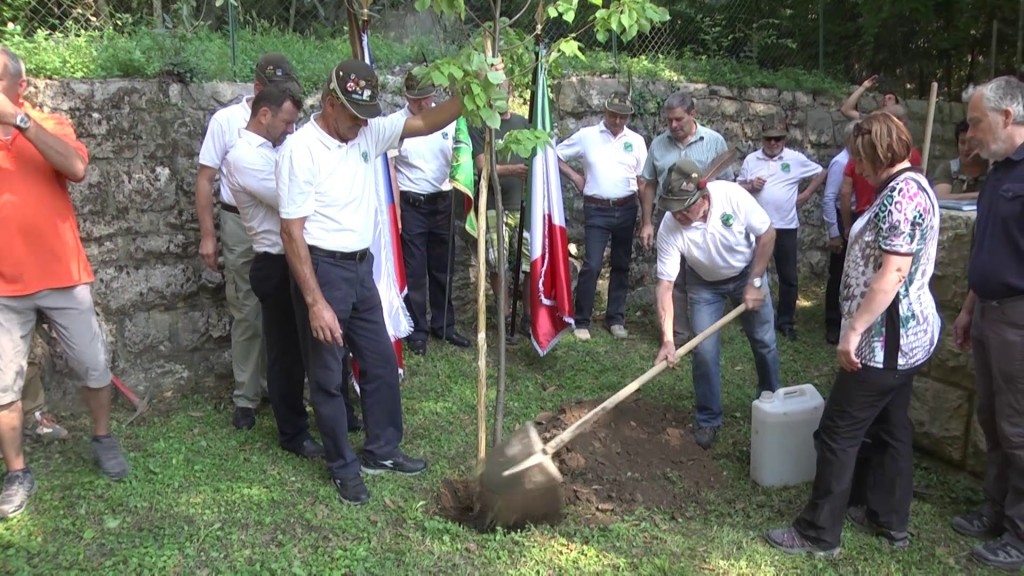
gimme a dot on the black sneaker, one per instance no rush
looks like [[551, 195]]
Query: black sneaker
[[244, 418], [18, 486], [977, 525], [705, 436], [790, 541], [352, 490], [308, 448], [106, 451], [858, 516], [400, 463], [1005, 553]]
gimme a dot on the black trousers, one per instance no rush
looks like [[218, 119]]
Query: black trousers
[[348, 287], [286, 373], [833, 314], [872, 398], [286, 376], [997, 338], [601, 225], [786, 268], [428, 254]]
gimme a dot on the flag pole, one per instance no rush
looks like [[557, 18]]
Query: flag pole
[[517, 269]]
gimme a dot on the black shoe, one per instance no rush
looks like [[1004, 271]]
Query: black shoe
[[352, 490], [400, 463], [244, 418], [977, 525], [18, 486], [788, 332], [705, 436], [454, 338], [417, 347], [1005, 553], [832, 337], [309, 448], [858, 516]]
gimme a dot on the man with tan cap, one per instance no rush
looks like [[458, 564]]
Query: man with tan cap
[[773, 175], [247, 357], [422, 166], [726, 240], [329, 206], [613, 156]]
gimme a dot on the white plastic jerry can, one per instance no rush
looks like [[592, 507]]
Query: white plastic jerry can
[[782, 435]]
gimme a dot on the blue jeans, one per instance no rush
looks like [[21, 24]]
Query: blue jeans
[[601, 224], [707, 306]]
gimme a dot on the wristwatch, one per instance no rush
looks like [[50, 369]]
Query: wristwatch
[[756, 282], [22, 122]]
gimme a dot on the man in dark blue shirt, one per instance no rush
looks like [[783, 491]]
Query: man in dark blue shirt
[[991, 322]]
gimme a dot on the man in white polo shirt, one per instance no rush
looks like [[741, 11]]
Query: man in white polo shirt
[[249, 175], [773, 175], [613, 157], [422, 166], [726, 240], [329, 206], [247, 357]]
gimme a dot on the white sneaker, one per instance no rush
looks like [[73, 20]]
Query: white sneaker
[[581, 334], [619, 331]]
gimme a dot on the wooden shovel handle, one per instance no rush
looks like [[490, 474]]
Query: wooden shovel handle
[[583, 424]]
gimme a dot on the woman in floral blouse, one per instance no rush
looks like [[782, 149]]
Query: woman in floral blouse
[[890, 329]]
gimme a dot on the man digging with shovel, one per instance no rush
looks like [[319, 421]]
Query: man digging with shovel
[[726, 239]]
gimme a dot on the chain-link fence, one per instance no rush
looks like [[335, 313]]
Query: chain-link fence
[[722, 41]]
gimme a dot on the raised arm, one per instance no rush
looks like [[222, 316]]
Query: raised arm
[[849, 108], [56, 148], [433, 119]]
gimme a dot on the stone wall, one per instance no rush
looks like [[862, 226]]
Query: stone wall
[[164, 314]]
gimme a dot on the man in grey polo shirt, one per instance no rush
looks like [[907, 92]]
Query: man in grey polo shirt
[[683, 138]]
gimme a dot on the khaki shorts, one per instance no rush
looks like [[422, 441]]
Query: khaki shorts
[[72, 316], [511, 229]]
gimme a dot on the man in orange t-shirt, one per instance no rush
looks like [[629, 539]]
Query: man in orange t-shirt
[[43, 268]]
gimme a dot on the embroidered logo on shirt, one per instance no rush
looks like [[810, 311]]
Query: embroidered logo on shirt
[[444, 135], [628, 147], [727, 220], [785, 167], [366, 157]]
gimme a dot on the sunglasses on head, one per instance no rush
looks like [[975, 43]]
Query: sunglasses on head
[[774, 138]]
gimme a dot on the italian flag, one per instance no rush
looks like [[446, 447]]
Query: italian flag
[[551, 314]]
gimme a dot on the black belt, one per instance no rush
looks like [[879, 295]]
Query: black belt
[[424, 199], [357, 256], [230, 208], [610, 202]]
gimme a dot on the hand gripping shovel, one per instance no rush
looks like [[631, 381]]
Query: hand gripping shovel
[[520, 483]]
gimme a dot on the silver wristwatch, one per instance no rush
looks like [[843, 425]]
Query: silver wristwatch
[[756, 282], [22, 121]]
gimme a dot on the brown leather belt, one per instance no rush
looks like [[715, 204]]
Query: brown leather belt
[[610, 202]]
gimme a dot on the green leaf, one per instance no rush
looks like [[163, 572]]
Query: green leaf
[[495, 77], [491, 118], [422, 5], [569, 47]]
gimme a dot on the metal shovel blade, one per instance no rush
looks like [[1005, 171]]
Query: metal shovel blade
[[528, 495]]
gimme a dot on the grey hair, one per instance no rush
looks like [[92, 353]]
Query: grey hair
[[1002, 93], [681, 99], [17, 67]]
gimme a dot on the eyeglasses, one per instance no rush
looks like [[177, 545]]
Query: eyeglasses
[[774, 138]]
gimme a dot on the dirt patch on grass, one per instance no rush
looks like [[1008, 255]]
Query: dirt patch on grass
[[641, 454]]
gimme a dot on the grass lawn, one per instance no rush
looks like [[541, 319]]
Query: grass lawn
[[203, 498]]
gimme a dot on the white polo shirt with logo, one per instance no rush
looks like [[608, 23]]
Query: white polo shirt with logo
[[249, 175], [423, 164], [221, 135], [611, 163], [782, 175], [720, 248], [333, 184]]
